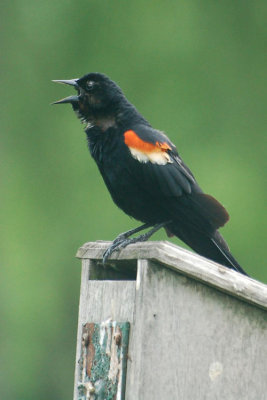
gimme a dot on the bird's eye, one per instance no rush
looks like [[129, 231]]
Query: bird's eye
[[89, 85]]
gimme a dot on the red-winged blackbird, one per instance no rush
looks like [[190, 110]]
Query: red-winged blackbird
[[144, 173]]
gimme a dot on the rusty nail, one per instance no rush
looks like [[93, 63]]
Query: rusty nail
[[88, 386], [85, 339], [117, 338], [91, 388]]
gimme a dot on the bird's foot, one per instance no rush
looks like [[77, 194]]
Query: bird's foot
[[123, 239], [119, 239]]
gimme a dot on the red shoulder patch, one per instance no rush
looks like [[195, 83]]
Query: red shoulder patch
[[133, 141]]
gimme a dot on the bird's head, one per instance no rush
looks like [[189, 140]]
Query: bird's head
[[96, 94]]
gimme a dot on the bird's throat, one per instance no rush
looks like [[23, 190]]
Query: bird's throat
[[104, 123]]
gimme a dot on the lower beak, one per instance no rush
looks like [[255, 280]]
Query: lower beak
[[69, 99]]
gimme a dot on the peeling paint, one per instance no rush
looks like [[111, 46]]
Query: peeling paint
[[103, 361], [114, 359], [103, 326]]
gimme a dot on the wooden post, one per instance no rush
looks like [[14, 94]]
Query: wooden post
[[198, 330]]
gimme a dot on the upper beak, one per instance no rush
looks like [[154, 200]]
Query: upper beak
[[69, 99], [72, 82]]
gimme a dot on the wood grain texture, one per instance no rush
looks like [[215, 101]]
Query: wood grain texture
[[187, 263], [190, 341]]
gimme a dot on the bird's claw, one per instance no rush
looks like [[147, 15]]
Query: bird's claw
[[119, 243], [107, 254], [124, 239], [113, 247]]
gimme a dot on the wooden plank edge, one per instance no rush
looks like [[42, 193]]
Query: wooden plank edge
[[187, 263]]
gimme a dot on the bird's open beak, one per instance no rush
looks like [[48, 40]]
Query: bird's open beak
[[69, 99]]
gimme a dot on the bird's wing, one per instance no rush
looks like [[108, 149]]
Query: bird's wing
[[158, 168], [157, 154]]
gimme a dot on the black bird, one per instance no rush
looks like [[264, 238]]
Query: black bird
[[144, 173]]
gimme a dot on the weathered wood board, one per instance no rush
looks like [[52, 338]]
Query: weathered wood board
[[198, 330]]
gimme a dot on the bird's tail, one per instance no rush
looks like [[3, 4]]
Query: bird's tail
[[214, 248], [228, 258]]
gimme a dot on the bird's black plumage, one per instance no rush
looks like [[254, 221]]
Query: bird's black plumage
[[143, 171]]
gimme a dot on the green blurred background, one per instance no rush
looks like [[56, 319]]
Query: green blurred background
[[195, 70]]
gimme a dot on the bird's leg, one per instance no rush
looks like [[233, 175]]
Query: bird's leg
[[123, 239], [141, 238], [120, 238]]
